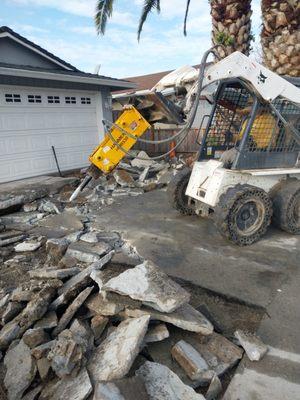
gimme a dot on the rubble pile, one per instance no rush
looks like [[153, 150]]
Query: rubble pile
[[90, 319]]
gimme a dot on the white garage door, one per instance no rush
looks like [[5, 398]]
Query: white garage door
[[32, 120]]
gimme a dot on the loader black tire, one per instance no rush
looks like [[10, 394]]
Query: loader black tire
[[243, 214], [286, 201], [176, 192]]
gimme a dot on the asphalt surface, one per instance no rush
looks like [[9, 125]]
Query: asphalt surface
[[266, 274]]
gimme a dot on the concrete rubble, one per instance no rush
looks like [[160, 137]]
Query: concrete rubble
[[85, 313], [253, 346]]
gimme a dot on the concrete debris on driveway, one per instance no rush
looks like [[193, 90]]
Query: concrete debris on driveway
[[116, 354], [162, 383], [147, 283], [83, 311], [21, 370], [253, 346]]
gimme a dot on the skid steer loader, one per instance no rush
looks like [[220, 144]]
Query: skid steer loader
[[248, 170]]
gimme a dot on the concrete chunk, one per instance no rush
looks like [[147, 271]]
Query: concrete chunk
[[28, 246], [87, 252], [121, 389], [214, 389], [146, 282], [43, 366], [253, 346], [52, 273], [157, 333], [114, 357], [123, 178], [71, 310], [35, 337], [185, 317], [13, 308], [34, 310], [78, 282], [98, 324], [162, 383], [99, 305], [42, 350], [191, 361], [65, 354], [21, 370], [49, 321], [56, 248], [75, 388]]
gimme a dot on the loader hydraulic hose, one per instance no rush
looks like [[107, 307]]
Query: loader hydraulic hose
[[186, 127]]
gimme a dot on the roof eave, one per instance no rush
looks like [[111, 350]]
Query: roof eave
[[113, 83]]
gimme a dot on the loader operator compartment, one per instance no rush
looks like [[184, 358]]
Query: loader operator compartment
[[248, 129]]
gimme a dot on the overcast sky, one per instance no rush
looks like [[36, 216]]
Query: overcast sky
[[66, 28]]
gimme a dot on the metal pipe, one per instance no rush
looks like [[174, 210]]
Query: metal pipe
[[56, 161]]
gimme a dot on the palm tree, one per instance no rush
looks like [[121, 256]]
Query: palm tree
[[280, 36], [231, 22]]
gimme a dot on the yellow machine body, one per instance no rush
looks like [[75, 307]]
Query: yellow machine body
[[107, 155]]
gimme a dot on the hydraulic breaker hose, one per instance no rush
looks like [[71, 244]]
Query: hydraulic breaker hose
[[188, 124]]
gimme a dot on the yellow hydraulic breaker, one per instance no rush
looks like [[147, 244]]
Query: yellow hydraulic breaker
[[108, 155]]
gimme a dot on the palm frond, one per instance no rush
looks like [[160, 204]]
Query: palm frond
[[104, 9], [186, 16], [149, 5]]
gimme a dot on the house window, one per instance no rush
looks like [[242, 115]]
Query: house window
[[34, 98], [53, 99], [85, 100], [12, 98], [70, 100]]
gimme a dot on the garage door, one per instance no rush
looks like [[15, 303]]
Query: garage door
[[33, 120]]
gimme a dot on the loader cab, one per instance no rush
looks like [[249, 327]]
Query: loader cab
[[246, 128]]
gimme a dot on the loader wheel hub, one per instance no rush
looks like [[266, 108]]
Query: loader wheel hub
[[249, 217]]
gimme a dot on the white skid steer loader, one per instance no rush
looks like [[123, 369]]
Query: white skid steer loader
[[248, 167]]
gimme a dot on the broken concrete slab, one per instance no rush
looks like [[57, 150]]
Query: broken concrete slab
[[13, 308], [99, 305], [33, 394], [29, 245], [34, 337], [29, 207], [56, 248], [10, 237], [59, 225], [147, 283], [34, 310], [42, 350], [157, 333], [214, 389], [185, 317], [65, 354], [71, 310], [161, 382], [121, 389], [20, 220], [98, 324], [89, 237], [78, 282], [48, 321], [51, 206], [218, 352], [43, 366], [52, 273], [253, 346], [77, 388], [114, 357], [123, 178], [82, 334], [87, 252], [20, 370], [142, 160], [191, 361]]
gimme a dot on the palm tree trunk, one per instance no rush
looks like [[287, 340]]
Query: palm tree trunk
[[231, 22], [280, 36]]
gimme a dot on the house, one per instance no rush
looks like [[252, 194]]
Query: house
[[45, 102]]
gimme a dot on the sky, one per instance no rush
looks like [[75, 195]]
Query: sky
[[66, 28]]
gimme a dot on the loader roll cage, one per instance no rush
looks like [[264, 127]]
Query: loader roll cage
[[240, 119]]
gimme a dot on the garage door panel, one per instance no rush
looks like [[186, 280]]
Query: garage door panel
[[27, 132]]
